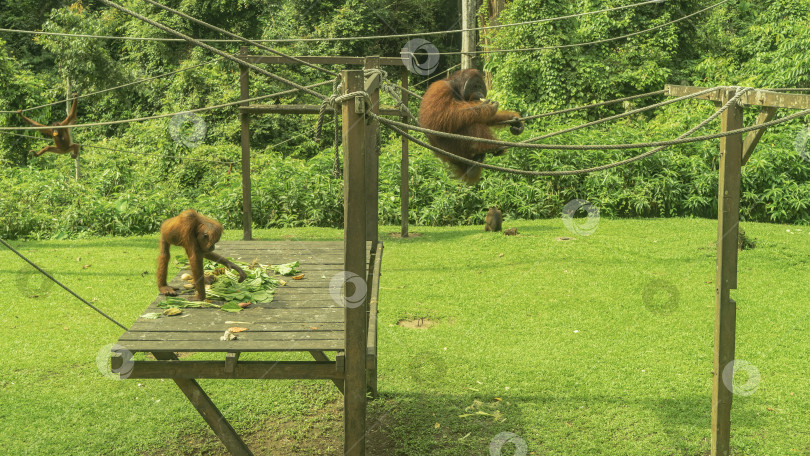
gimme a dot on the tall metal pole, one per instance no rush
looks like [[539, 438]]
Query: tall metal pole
[[728, 217]]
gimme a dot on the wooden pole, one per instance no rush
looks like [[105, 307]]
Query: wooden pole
[[354, 250], [728, 216], [68, 105], [372, 157], [247, 205], [404, 192], [468, 8]]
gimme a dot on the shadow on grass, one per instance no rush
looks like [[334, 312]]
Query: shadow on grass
[[412, 423]]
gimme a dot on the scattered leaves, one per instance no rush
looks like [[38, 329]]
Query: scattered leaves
[[287, 268]]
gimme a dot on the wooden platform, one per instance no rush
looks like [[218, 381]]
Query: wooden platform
[[305, 315]]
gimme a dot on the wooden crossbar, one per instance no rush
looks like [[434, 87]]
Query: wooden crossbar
[[756, 97]]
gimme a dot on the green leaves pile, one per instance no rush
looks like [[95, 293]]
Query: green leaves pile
[[259, 286]]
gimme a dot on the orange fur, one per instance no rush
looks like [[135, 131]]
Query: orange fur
[[197, 234], [445, 107]]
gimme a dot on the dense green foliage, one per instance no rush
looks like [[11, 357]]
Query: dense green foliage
[[156, 176]]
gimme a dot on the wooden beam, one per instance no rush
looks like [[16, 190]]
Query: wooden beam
[[206, 408], [404, 191], [242, 370], [728, 216], [371, 345], [756, 97], [372, 167], [321, 356], [752, 137], [231, 358], [304, 109], [354, 240], [322, 60], [247, 206]]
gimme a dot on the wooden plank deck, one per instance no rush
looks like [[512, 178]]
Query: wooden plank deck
[[303, 315]]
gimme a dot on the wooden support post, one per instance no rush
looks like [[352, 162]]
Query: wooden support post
[[468, 9], [728, 216], [372, 157], [227, 435], [354, 213], [404, 192], [247, 205], [321, 356], [68, 105]]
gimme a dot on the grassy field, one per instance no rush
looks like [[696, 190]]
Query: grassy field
[[599, 345]]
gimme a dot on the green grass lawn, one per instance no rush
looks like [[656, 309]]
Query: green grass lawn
[[597, 345]]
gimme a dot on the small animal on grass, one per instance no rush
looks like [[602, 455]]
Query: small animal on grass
[[458, 105], [493, 220], [197, 234], [510, 232], [60, 136]]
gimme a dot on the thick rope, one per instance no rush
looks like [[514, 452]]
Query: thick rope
[[63, 286], [619, 116], [240, 38], [525, 143], [671, 142], [139, 81], [594, 169], [214, 50], [36, 138], [161, 116], [593, 105]]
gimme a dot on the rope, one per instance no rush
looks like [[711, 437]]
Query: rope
[[672, 142], [619, 116], [606, 40], [525, 143], [161, 116], [126, 151], [326, 104], [610, 165], [594, 105], [240, 38], [212, 49], [60, 284], [351, 38], [118, 87]]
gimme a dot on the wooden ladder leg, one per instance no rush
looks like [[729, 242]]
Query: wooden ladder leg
[[210, 413]]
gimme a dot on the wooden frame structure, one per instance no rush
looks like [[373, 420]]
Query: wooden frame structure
[[734, 153], [246, 110], [305, 315]]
